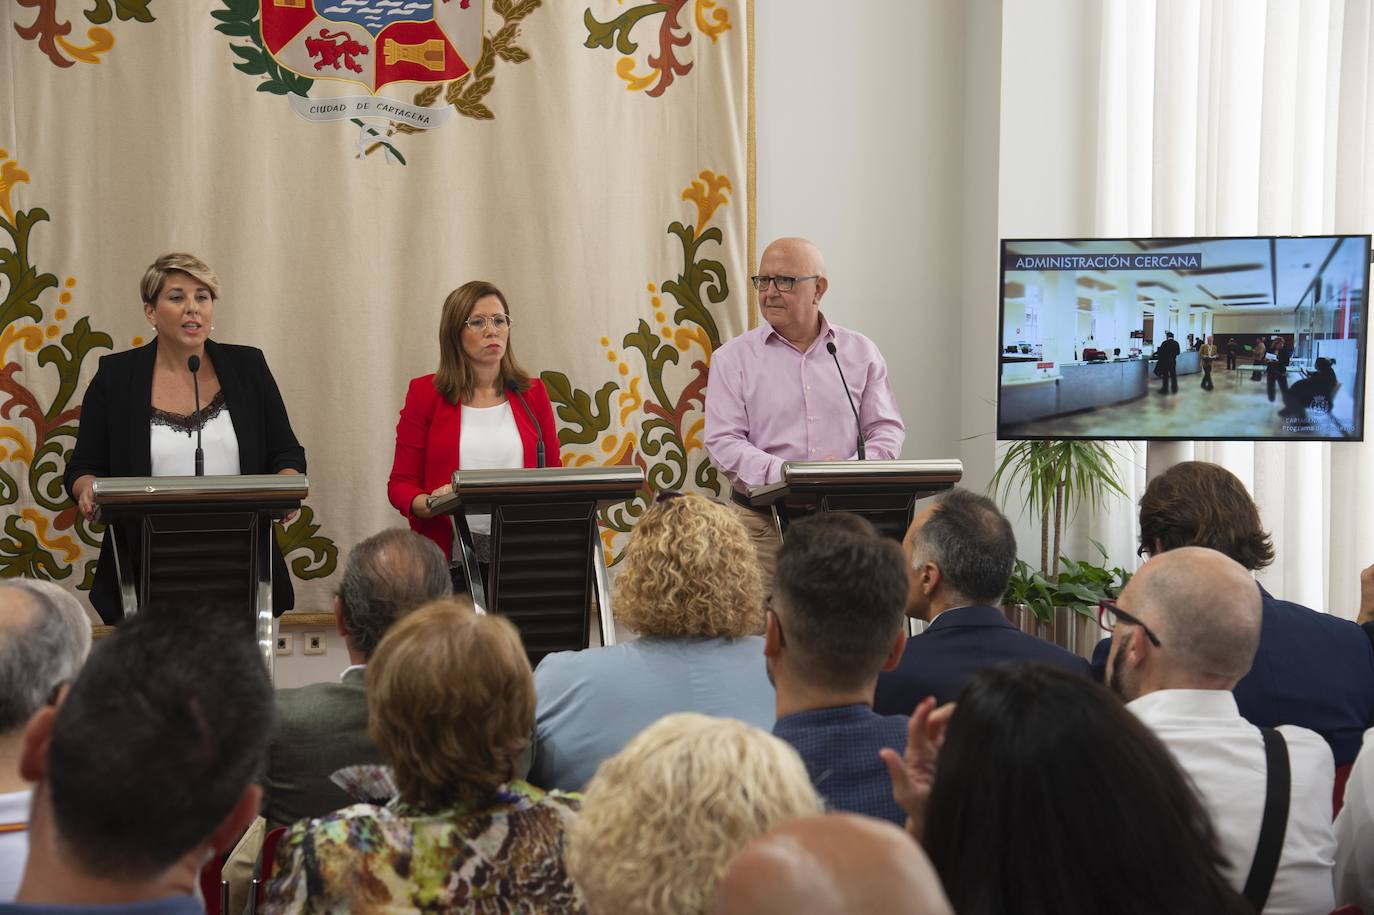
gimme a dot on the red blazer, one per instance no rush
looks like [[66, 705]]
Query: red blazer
[[427, 449]]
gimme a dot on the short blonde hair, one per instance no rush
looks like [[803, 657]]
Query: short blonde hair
[[662, 819], [690, 571], [155, 277], [450, 703]]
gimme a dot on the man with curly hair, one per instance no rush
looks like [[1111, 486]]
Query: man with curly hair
[[1312, 669], [322, 727]]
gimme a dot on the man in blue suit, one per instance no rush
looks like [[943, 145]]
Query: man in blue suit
[[960, 554], [1312, 669]]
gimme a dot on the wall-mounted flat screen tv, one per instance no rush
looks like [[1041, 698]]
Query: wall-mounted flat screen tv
[[1183, 338]]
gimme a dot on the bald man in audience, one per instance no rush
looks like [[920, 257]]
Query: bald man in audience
[[44, 638], [1184, 632], [841, 864], [776, 392]]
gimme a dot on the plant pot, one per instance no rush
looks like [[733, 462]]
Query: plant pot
[[1089, 633]]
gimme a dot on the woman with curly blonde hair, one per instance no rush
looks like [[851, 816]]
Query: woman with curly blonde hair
[[691, 590], [662, 819]]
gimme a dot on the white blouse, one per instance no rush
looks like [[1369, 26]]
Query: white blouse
[[173, 441], [489, 440]]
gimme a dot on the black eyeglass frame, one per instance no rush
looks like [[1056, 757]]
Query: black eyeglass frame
[[760, 283], [1107, 605]]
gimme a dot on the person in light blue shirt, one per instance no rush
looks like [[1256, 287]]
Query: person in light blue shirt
[[691, 589]]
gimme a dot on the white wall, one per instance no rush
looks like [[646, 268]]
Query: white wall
[[860, 149], [1256, 324]]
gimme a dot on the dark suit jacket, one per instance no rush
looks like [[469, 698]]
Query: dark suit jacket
[[114, 440], [317, 730], [941, 661], [1168, 352], [1312, 669]]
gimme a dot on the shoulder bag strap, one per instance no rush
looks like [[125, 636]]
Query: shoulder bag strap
[[1275, 822]]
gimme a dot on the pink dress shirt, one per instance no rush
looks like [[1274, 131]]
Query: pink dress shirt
[[767, 403]]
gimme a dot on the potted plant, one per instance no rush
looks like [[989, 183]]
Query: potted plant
[[1056, 478]]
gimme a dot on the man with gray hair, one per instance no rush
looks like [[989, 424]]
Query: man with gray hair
[[321, 728], [1184, 633], [44, 638], [960, 554]]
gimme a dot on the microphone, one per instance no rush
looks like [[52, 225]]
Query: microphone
[[193, 363], [830, 348], [514, 389]]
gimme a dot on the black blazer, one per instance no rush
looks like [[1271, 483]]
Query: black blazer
[[941, 661], [114, 440]]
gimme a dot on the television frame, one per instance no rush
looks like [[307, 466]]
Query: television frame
[[1168, 241]]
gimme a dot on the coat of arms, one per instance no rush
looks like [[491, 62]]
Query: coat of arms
[[374, 42]]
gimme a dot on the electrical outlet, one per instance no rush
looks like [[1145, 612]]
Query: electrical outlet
[[313, 643], [285, 644]]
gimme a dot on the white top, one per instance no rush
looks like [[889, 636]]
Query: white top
[[1223, 754], [14, 844], [1355, 833], [173, 442], [489, 440]]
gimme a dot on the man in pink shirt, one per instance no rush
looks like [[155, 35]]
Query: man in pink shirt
[[775, 392]]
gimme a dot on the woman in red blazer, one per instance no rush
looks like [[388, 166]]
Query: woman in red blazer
[[474, 385]]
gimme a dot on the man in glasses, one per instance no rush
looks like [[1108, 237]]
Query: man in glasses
[[1184, 633], [776, 392]]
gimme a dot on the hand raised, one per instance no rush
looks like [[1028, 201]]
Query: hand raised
[[913, 774]]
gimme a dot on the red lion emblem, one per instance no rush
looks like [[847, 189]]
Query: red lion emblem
[[331, 46]]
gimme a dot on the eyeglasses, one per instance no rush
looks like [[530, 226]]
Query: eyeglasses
[[500, 322], [783, 283], [1109, 614]]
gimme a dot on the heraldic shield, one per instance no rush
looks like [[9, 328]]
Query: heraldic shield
[[374, 42]]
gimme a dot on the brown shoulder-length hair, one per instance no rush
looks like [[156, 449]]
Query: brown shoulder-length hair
[[454, 379], [1200, 504]]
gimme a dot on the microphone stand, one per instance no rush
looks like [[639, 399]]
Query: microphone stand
[[193, 363], [830, 348]]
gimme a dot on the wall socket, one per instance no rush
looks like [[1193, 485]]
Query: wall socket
[[285, 644], [313, 643]]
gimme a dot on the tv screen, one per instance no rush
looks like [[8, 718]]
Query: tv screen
[[1183, 338]]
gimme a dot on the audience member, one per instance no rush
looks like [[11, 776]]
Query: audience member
[[1312, 669], [836, 621], [1355, 834], [1038, 768], [838, 864], [664, 816], [450, 700], [145, 768], [322, 727], [689, 586], [44, 638], [960, 554], [1184, 632]]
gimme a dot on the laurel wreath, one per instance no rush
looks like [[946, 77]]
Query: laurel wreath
[[239, 19], [466, 92]]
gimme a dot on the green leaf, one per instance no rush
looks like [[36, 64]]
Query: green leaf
[[582, 420], [100, 13], [275, 86], [616, 33], [308, 554], [513, 54], [132, 9], [236, 29]]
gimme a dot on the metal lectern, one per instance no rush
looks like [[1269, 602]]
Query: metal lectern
[[201, 541], [548, 562], [884, 492]]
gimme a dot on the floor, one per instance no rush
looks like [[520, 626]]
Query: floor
[[1236, 407]]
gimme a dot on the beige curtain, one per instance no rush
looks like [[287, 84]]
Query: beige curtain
[[590, 158]]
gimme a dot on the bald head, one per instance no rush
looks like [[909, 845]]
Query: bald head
[[1206, 610], [839, 864], [799, 251]]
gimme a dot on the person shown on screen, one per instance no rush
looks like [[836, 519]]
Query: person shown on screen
[[1167, 370], [479, 410], [1319, 385], [1276, 368], [776, 392], [1257, 356], [1208, 353], [1232, 347], [140, 415]]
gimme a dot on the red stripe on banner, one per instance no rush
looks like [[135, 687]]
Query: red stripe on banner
[[283, 20], [416, 51]]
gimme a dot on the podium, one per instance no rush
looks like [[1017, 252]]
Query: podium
[[548, 562], [203, 541], [884, 492]]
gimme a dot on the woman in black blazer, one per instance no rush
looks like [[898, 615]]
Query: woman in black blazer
[[140, 409]]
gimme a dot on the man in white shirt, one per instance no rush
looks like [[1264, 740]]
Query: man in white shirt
[[1184, 632], [1355, 833], [44, 638]]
